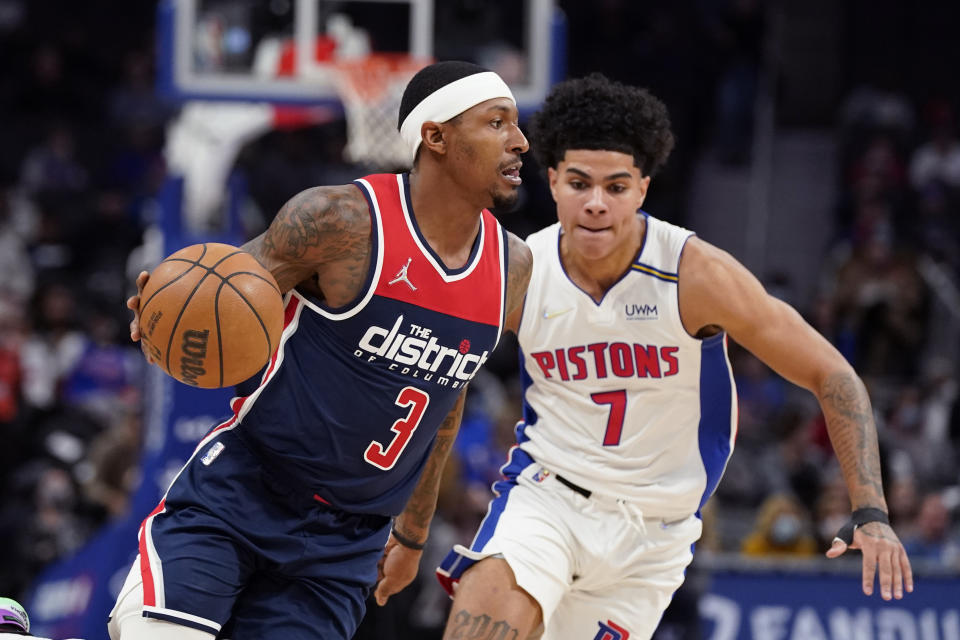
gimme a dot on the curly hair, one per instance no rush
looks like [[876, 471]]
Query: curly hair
[[598, 113]]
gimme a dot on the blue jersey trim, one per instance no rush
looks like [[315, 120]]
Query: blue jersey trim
[[453, 566], [642, 267], [597, 303], [371, 268], [646, 269], [526, 381], [183, 622], [679, 259], [716, 417], [646, 233], [477, 242], [517, 462]]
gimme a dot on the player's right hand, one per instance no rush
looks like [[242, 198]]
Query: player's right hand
[[881, 550], [133, 303], [397, 568]]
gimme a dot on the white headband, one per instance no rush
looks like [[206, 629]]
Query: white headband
[[451, 100]]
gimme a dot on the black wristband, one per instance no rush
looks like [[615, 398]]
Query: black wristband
[[869, 514], [405, 541], [859, 518]]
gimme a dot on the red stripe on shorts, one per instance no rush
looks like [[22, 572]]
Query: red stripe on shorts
[[149, 589]]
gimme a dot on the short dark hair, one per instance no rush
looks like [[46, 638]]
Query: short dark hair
[[431, 78], [598, 113]]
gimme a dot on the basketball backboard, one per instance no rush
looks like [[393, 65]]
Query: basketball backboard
[[282, 50]]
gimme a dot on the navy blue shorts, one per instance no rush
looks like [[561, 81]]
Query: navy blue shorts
[[233, 550]]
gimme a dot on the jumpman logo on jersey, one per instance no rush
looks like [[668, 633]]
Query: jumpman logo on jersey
[[402, 276]]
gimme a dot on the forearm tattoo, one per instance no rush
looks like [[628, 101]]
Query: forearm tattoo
[[415, 520], [846, 407]]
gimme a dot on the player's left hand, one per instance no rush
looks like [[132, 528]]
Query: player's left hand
[[133, 303], [881, 548], [396, 569]]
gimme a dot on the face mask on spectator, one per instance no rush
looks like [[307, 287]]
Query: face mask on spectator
[[785, 529]]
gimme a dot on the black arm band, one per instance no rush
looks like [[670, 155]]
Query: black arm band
[[405, 541], [859, 518]]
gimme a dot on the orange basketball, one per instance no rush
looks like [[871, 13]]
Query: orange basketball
[[211, 315]]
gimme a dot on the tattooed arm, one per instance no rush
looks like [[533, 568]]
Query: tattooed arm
[[400, 562], [320, 240], [518, 277], [717, 292], [320, 237]]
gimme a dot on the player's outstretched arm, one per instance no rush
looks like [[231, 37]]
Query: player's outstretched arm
[[401, 556], [322, 231], [716, 290]]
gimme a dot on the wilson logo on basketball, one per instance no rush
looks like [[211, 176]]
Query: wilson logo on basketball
[[152, 322], [194, 350], [418, 354]]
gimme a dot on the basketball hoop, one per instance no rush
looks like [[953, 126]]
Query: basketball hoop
[[370, 89]]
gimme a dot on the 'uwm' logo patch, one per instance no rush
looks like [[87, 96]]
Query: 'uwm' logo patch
[[640, 311]]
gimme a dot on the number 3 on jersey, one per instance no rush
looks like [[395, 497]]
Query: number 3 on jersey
[[618, 410], [385, 458]]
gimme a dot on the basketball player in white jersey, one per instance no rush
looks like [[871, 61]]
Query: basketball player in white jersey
[[629, 401]]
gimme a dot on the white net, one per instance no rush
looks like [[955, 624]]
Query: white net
[[370, 89]]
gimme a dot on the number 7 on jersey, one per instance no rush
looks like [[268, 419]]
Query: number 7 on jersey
[[618, 410], [385, 458]]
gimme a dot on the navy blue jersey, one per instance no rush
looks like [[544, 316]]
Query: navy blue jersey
[[349, 407]]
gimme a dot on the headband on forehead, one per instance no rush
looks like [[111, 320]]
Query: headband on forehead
[[451, 100]]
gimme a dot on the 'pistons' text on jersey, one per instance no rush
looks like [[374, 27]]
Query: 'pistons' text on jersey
[[600, 359]]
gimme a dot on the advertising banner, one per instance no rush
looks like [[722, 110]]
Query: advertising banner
[[779, 605]]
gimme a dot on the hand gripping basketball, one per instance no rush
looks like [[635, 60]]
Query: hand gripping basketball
[[133, 303], [209, 315]]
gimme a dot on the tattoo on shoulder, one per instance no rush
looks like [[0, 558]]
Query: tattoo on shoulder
[[469, 626], [518, 271], [319, 224], [316, 227]]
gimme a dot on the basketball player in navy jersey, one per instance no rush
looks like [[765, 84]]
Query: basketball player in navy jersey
[[324, 480], [629, 401]]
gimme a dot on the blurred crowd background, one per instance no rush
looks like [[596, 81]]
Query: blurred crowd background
[[82, 134]]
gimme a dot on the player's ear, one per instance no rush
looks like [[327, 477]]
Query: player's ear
[[552, 176], [642, 187], [431, 133]]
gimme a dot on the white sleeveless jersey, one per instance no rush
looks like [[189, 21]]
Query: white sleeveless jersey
[[619, 398]]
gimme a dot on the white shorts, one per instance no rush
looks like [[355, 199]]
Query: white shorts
[[598, 568]]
